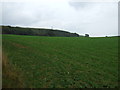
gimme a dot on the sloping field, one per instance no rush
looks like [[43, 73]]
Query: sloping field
[[68, 62]]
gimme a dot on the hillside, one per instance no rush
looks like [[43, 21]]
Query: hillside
[[37, 32]]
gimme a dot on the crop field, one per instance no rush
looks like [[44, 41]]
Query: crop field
[[59, 62]]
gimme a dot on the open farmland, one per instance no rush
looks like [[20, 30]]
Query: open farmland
[[61, 62]]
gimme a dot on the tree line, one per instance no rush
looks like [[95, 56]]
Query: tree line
[[37, 32]]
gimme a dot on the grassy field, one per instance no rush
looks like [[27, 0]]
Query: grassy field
[[59, 62]]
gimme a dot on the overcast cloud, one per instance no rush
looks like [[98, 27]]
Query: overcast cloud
[[94, 18]]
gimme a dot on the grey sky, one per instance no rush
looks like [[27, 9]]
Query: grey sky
[[94, 18]]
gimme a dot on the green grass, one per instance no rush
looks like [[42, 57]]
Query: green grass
[[63, 62]]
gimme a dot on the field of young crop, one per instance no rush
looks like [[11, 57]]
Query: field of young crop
[[59, 62]]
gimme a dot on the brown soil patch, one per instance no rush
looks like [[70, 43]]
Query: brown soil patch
[[4, 60], [11, 77], [19, 45]]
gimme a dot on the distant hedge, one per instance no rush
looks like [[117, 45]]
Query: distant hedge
[[36, 32]]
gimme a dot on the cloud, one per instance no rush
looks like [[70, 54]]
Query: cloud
[[97, 19]]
